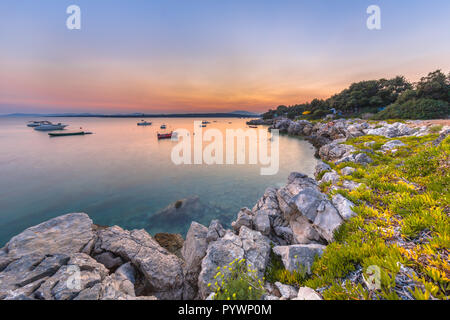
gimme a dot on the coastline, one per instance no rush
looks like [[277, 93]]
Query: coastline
[[295, 223]]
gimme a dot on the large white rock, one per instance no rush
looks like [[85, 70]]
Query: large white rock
[[306, 293], [391, 130], [393, 144]]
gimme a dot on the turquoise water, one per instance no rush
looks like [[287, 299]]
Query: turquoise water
[[123, 175]]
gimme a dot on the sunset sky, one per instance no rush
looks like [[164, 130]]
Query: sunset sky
[[164, 56]]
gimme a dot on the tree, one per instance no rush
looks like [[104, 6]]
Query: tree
[[434, 86]]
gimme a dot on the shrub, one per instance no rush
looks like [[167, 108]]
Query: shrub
[[237, 282], [416, 109]]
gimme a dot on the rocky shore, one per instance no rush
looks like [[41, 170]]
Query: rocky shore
[[71, 258]]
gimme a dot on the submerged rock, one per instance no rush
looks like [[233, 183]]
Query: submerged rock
[[183, 211], [170, 241]]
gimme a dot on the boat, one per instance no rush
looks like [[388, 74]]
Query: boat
[[144, 123], [63, 134], [205, 122], [48, 126], [254, 127], [33, 124], [203, 126], [163, 126], [164, 135]]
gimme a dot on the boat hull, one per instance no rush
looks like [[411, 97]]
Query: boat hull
[[164, 136], [50, 128], [65, 134]]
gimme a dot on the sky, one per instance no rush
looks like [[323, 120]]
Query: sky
[[167, 56]]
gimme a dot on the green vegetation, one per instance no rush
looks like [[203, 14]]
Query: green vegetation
[[402, 223], [403, 220], [237, 282], [416, 109], [383, 99]]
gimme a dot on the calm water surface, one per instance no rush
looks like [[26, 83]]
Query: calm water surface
[[123, 175]]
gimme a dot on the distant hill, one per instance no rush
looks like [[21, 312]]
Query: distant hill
[[248, 113]]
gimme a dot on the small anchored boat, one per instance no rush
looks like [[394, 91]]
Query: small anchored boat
[[163, 126], [64, 134], [254, 127], [144, 123], [48, 126], [164, 135]]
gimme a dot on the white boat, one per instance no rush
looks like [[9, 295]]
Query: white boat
[[33, 124], [48, 126], [144, 123], [163, 126]]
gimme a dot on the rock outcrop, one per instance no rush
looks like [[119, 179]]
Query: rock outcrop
[[68, 257]]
